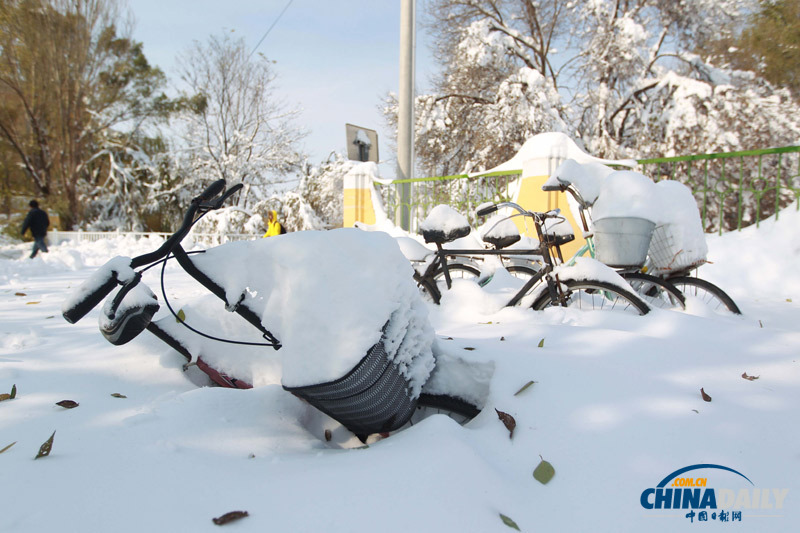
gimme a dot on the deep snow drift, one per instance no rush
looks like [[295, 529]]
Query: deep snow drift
[[615, 406]]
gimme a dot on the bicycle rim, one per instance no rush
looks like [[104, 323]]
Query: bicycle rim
[[521, 272], [656, 292], [595, 295], [457, 271]]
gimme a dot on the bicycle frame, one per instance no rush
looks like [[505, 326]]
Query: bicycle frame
[[441, 254]]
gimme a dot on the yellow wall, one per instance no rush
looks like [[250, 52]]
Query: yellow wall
[[358, 206]]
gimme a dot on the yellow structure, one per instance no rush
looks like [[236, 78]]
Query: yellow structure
[[358, 193], [536, 161], [531, 197]]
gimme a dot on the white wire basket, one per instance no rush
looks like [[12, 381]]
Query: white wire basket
[[666, 257]]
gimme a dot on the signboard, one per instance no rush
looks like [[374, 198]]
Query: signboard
[[362, 143]]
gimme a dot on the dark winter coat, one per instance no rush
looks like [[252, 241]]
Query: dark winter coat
[[37, 221]]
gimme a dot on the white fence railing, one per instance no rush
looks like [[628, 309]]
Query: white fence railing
[[57, 237]]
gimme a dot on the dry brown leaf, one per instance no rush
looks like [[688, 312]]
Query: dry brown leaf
[[749, 378], [5, 396], [44, 449], [8, 447], [705, 396], [328, 435], [229, 517], [20, 294], [32, 303], [68, 404], [508, 421]]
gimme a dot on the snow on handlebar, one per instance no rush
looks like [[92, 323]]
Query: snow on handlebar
[[98, 286], [119, 271]]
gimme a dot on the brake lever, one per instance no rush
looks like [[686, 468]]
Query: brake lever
[[126, 288]]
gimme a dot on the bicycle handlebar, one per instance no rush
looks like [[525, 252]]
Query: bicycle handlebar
[[108, 278], [89, 300], [212, 191], [483, 211]]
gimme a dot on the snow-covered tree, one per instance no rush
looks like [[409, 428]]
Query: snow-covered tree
[[626, 79], [71, 78], [237, 129], [498, 85], [314, 204]]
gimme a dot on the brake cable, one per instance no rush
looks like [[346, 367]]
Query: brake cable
[[182, 321]]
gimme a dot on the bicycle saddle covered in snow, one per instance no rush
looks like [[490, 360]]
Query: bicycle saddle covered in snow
[[444, 224]]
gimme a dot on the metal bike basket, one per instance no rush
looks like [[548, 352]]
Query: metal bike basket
[[666, 257], [622, 242], [372, 398]]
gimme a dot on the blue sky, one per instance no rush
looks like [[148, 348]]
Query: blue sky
[[334, 59]]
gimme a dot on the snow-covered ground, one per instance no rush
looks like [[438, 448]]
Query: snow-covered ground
[[615, 407]]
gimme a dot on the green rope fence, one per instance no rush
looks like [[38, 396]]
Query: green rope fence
[[733, 189]]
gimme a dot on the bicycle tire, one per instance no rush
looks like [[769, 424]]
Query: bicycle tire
[[457, 271], [430, 404], [429, 291], [656, 292], [595, 295], [711, 295]]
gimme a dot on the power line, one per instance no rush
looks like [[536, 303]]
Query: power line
[[270, 28]]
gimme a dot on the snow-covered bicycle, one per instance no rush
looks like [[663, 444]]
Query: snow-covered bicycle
[[360, 350], [587, 285]]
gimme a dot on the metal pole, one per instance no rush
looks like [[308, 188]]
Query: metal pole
[[405, 118]]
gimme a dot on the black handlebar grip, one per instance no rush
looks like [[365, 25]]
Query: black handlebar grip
[[483, 211], [553, 187], [230, 192], [212, 191], [88, 301]]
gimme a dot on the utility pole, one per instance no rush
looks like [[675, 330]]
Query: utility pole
[[405, 119]]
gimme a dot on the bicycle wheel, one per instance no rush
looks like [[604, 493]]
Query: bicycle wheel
[[656, 292], [707, 292], [522, 272], [595, 295], [429, 291], [458, 271]]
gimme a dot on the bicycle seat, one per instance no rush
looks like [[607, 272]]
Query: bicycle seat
[[438, 236], [558, 240], [501, 241]]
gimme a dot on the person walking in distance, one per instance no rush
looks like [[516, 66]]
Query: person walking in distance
[[38, 222]]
